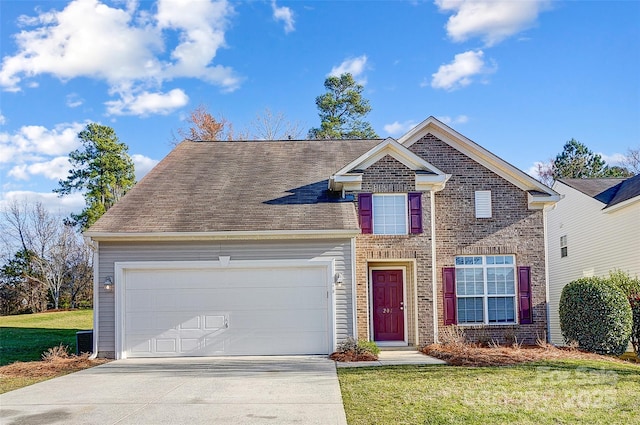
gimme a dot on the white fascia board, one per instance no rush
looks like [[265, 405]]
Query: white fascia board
[[540, 202], [474, 151], [389, 147], [233, 235], [431, 182], [621, 205]]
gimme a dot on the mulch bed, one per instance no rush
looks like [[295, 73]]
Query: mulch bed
[[351, 356], [48, 368], [473, 355]]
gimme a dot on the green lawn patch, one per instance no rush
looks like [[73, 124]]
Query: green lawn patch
[[554, 392], [25, 337]]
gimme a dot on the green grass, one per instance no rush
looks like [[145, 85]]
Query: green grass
[[25, 337], [558, 392]]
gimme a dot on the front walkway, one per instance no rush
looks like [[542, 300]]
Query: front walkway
[[396, 358]]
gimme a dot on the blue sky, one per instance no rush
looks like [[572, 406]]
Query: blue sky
[[518, 77]]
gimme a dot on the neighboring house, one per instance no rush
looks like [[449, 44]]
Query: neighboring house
[[289, 247], [594, 230]]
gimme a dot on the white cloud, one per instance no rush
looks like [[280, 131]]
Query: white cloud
[[52, 203], [354, 66], [285, 15], [125, 47], [146, 103], [3, 119], [397, 127], [143, 165], [33, 142], [534, 170], [460, 119], [55, 169], [613, 159], [73, 100], [491, 20], [458, 73]]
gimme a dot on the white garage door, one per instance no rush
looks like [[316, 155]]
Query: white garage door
[[257, 310]]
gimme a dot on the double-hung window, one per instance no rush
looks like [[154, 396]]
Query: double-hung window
[[390, 214], [485, 289]]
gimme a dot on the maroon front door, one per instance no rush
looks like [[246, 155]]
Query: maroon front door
[[388, 306]]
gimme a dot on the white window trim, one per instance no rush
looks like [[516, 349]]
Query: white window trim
[[406, 213], [485, 295], [483, 204]]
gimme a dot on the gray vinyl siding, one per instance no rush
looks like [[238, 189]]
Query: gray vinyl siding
[[111, 252]]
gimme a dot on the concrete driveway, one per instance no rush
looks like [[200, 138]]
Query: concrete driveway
[[213, 390]]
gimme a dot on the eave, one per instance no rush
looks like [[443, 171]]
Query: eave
[[224, 235]]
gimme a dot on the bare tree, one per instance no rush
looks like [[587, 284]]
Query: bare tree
[[632, 160], [204, 127], [268, 125], [545, 172], [50, 253], [80, 279]]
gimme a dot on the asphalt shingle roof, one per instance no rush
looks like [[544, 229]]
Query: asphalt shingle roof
[[239, 186], [609, 191]]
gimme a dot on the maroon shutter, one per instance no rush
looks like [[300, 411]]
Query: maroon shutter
[[415, 212], [449, 294], [524, 295], [365, 210]]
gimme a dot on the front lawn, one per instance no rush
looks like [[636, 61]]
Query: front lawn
[[25, 337], [554, 392]]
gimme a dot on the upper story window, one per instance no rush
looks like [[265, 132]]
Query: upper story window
[[390, 214], [483, 203], [563, 246], [486, 289]]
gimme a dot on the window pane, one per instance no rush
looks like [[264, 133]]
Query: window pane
[[501, 309], [389, 214], [470, 310], [459, 261], [500, 280]]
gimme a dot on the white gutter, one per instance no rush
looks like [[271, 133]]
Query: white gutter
[[231, 235]]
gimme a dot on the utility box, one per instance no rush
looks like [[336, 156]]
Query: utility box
[[84, 342]]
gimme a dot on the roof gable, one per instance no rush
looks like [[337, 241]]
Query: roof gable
[[539, 195], [428, 177], [614, 193]]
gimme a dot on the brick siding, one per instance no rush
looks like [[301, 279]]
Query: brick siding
[[512, 229]]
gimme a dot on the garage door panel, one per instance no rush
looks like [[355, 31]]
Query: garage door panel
[[226, 312], [232, 278], [224, 298], [264, 320]]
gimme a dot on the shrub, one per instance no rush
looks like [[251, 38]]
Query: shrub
[[452, 335], [352, 349], [635, 327], [629, 286], [58, 352], [596, 315]]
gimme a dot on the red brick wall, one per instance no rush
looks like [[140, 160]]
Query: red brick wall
[[512, 229]]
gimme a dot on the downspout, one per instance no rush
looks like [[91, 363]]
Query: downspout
[[434, 272], [546, 272], [354, 290], [95, 245]]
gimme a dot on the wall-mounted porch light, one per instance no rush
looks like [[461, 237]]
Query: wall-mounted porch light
[[339, 279], [108, 284]]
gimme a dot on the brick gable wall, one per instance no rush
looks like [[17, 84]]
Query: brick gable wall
[[512, 229]]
